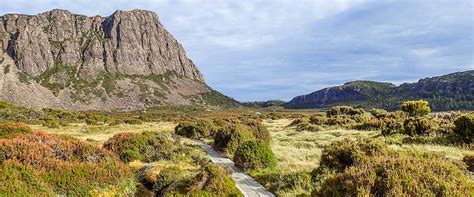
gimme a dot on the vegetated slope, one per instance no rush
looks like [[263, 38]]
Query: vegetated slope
[[127, 60], [453, 91], [264, 104]]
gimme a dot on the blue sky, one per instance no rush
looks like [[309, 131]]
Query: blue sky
[[259, 50]]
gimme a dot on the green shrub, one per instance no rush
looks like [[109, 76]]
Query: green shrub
[[229, 138], [465, 127], [52, 124], [392, 126], [133, 121], [210, 180], [416, 108], [421, 125], [318, 119], [309, 127], [169, 179], [90, 121], [4, 105], [10, 129], [145, 118], [371, 124], [379, 113], [64, 165], [146, 146], [343, 154], [259, 131], [299, 121], [469, 161], [274, 116], [340, 121], [213, 181], [399, 175], [116, 122], [197, 129], [19, 180], [279, 182], [253, 155], [344, 110], [303, 124]]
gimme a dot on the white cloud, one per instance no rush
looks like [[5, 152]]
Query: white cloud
[[269, 49], [425, 52]]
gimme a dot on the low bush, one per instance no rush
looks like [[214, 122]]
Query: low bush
[[133, 121], [146, 146], [341, 121], [422, 125], [92, 122], [344, 110], [10, 129], [208, 180], [299, 121], [392, 126], [416, 108], [318, 119], [169, 179], [229, 138], [279, 182], [465, 127], [469, 161], [20, 180], [309, 127], [41, 164], [399, 175], [259, 131], [253, 155], [369, 168], [213, 181], [197, 129], [379, 113], [343, 154], [371, 124], [116, 122]]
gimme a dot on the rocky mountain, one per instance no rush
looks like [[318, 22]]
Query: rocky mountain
[[448, 92], [127, 60]]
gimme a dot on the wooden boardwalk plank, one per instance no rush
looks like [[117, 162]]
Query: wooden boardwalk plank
[[246, 184]]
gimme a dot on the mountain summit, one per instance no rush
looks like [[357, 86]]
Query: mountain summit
[[127, 60]]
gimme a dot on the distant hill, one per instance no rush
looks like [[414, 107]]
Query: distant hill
[[264, 104], [453, 91]]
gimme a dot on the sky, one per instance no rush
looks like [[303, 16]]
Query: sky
[[279, 49]]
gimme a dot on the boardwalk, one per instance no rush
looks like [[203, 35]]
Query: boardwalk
[[246, 184]]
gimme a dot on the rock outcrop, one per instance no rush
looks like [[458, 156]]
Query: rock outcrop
[[124, 61]]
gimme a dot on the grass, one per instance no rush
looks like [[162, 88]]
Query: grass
[[297, 152], [101, 133], [450, 152], [300, 151]]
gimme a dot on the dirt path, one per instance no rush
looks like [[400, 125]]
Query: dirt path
[[246, 184]]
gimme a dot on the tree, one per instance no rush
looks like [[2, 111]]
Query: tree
[[416, 108]]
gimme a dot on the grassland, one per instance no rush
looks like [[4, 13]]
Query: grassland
[[298, 148], [101, 133], [299, 152]]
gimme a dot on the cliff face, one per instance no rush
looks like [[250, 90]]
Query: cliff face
[[124, 61], [453, 91]]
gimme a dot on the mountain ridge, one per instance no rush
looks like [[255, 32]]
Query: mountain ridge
[[127, 60], [454, 91]]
